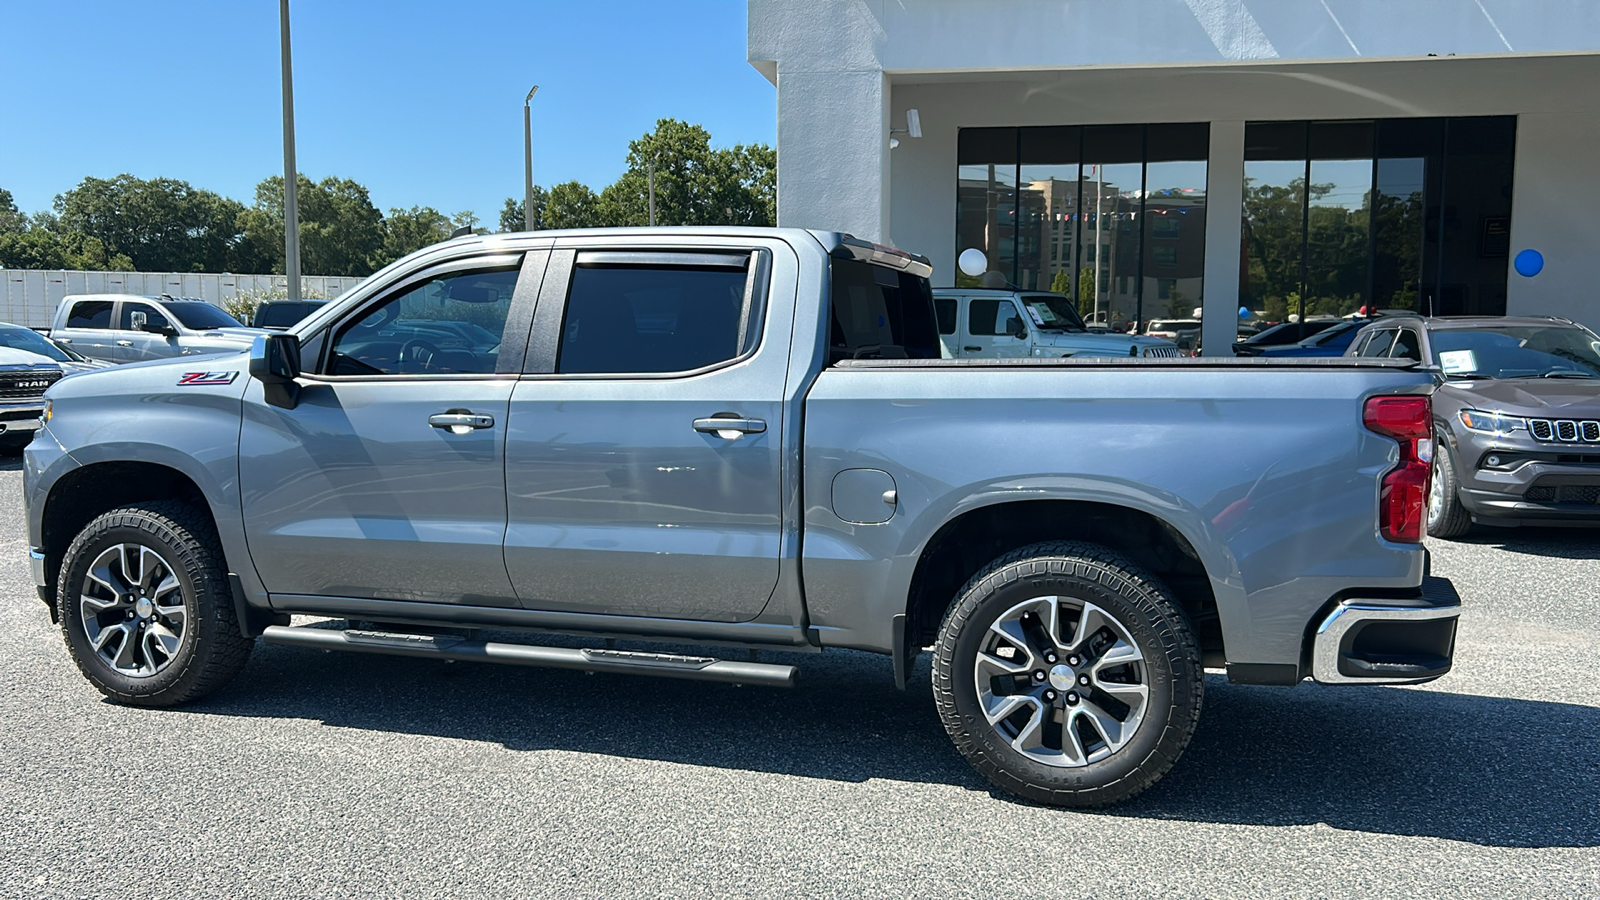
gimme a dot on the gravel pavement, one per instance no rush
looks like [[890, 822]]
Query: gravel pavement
[[328, 774]]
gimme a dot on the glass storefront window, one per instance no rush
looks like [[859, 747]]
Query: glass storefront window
[[1108, 216]]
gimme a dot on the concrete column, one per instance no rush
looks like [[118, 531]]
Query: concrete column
[[833, 152], [1224, 231]]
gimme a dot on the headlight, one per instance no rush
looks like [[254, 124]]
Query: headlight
[[49, 409], [1492, 423]]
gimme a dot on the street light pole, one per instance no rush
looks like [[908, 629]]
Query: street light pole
[[291, 176], [527, 161], [652, 190]]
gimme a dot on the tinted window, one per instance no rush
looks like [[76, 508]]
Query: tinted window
[[945, 308], [200, 316], [90, 314], [651, 319], [152, 316], [1518, 351], [991, 317], [1407, 346], [282, 315], [1379, 344], [448, 326], [879, 313]]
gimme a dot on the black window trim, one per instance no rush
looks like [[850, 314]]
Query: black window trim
[[110, 325], [551, 311], [528, 263]]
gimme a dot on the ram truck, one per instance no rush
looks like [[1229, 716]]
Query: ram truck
[[746, 440]]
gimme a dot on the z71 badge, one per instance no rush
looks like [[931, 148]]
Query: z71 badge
[[208, 377]]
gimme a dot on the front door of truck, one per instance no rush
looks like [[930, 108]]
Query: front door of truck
[[645, 454], [387, 480]]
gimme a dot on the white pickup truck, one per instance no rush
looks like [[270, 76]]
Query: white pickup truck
[[984, 323]]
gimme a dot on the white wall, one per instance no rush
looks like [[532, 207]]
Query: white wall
[[30, 296], [1555, 209]]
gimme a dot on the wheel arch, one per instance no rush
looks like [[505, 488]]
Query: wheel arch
[[1196, 567]]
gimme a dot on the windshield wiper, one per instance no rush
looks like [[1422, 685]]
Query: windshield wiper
[[1567, 373], [1467, 376]]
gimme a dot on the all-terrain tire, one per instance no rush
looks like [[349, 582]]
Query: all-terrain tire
[[1077, 573], [1452, 519], [211, 650]]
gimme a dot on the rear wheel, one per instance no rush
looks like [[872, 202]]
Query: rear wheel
[[1447, 517], [145, 606], [1066, 675]]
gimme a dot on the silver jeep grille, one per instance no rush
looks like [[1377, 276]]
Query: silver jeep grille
[[1566, 431], [1162, 351]]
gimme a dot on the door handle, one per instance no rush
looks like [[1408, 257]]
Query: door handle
[[124, 343], [729, 427], [972, 349], [460, 421]]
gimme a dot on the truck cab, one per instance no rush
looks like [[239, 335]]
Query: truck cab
[[122, 328], [981, 323]]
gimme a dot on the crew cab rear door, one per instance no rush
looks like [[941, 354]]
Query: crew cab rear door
[[645, 456], [387, 481]]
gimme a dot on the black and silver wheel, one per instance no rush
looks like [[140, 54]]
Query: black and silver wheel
[[145, 606], [1447, 517], [1066, 675]]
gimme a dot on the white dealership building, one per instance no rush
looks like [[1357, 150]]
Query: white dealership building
[[1426, 154]]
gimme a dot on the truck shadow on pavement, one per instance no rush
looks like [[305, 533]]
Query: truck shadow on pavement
[[1486, 770]]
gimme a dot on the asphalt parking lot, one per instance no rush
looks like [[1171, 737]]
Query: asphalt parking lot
[[333, 774]]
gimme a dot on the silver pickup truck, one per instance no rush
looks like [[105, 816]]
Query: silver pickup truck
[[121, 328], [745, 439]]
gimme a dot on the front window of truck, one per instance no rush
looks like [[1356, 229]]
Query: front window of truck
[[1053, 312], [1517, 351]]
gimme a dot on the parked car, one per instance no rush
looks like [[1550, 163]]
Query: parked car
[[747, 438], [123, 328], [1172, 329], [1517, 418], [29, 364], [282, 314], [1281, 335], [997, 324], [1330, 341]]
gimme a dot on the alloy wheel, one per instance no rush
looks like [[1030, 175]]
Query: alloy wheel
[[1062, 681], [133, 611]]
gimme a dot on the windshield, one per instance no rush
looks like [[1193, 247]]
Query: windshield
[[1518, 351], [32, 341], [1052, 312], [200, 316]]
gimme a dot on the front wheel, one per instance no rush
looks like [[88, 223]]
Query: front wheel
[[145, 606], [1065, 674]]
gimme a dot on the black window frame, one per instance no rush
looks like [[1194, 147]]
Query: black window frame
[[110, 309]]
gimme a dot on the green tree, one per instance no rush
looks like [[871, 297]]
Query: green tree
[[161, 224], [409, 230], [1086, 293], [695, 184], [573, 205], [341, 232], [511, 216], [1062, 283], [12, 221]]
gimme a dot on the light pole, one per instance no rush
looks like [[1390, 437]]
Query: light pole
[[291, 176], [527, 161], [653, 187]]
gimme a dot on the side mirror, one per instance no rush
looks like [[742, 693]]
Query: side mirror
[[1016, 328], [275, 362], [137, 320]]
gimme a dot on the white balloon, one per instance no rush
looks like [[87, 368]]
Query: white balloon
[[973, 262]]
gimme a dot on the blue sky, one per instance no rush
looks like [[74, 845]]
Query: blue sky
[[421, 102]]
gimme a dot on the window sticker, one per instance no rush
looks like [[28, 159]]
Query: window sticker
[[1034, 313], [1043, 312], [1458, 361]]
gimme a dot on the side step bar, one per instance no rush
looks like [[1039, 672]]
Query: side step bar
[[440, 646]]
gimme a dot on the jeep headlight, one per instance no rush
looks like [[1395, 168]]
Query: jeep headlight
[[1492, 423]]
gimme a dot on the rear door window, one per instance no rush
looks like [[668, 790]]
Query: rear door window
[[946, 308], [655, 318], [90, 314]]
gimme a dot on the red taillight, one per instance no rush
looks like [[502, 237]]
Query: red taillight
[[1403, 499]]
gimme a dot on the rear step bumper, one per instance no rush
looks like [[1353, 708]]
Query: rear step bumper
[[438, 646], [1384, 642]]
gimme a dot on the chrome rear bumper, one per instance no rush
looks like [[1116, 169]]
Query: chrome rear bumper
[[1388, 641]]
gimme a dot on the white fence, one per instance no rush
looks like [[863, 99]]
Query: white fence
[[32, 295]]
